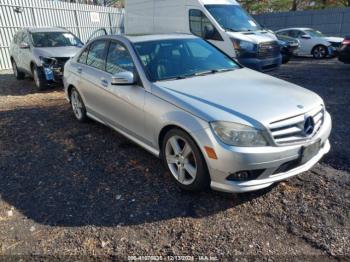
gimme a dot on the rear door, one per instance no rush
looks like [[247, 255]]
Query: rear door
[[92, 73], [304, 43], [26, 54], [17, 51]]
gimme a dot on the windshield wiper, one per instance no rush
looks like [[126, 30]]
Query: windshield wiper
[[231, 30], [176, 78], [214, 71]]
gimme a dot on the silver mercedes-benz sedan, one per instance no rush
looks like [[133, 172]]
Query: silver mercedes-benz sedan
[[212, 121]]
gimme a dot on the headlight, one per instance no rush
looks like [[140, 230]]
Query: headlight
[[238, 135], [47, 61], [242, 46]]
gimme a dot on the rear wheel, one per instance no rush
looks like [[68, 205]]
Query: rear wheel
[[319, 52], [78, 106], [185, 161], [18, 74]]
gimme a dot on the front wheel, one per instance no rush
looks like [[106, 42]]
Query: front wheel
[[184, 160], [320, 52], [39, 78]]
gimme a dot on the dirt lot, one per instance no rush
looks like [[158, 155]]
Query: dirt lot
[[77, 191]]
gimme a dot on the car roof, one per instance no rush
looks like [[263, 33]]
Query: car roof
[[46, 29], [294, 28], [148, 38]]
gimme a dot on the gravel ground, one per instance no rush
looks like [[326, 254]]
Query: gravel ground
[[81, 191]]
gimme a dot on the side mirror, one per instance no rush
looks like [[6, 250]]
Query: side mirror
[[24, 45], [123, 78], [209, 32], [306, 37]]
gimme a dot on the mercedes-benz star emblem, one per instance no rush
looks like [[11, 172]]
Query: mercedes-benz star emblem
[[309, 126]]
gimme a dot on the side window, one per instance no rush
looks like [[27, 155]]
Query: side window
[[26, 38], [19, 38], [294, 33], [286, 33], [96, 56], [83, 56], [119, 59], [15, 37], [199, 24]]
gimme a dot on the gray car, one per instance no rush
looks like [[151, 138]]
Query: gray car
[[42, 53], [212, 121]]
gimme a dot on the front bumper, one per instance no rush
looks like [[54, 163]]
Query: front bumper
[[262, 65], [269, 159], [54, 74]]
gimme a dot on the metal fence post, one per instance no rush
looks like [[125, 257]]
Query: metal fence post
[[33, 16], [77, 23], [110, 23]]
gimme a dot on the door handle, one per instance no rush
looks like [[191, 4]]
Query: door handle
[[79, 70], [104, 82]]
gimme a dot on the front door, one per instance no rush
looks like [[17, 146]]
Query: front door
[[199, 23], [124, 105]]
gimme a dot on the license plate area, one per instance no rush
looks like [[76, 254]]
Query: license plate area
[[308, 152]]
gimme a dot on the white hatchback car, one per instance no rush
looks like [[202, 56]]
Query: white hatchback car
[[313, 42]]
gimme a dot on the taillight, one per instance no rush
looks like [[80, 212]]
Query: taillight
[[346, 42]]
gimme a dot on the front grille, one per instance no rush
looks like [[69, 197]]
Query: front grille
[[291, 130], [269, 50], [335, 44]]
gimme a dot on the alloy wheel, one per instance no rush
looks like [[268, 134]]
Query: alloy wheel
[[36, 77], [77, 104], [181, 160], [320, 52]]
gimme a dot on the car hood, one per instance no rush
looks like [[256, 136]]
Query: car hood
[[243, 96], [256, 37], [66, 51], [334, 39]]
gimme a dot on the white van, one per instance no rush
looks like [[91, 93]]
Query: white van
[[224, 23]]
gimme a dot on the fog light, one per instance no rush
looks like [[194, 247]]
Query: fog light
[[243, 176]]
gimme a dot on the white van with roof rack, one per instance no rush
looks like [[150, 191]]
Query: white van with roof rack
[[224, 23]]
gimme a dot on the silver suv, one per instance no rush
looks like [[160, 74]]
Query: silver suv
[[210, 120], [41, 53]]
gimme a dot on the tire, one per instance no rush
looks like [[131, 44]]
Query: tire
[[286, 59], [18, 74], [319, 52], [78, 106], [184, 160], [39, 78]]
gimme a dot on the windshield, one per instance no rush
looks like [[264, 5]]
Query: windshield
[[181, 58], [314, 33], [55, 39], [233, 17]]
